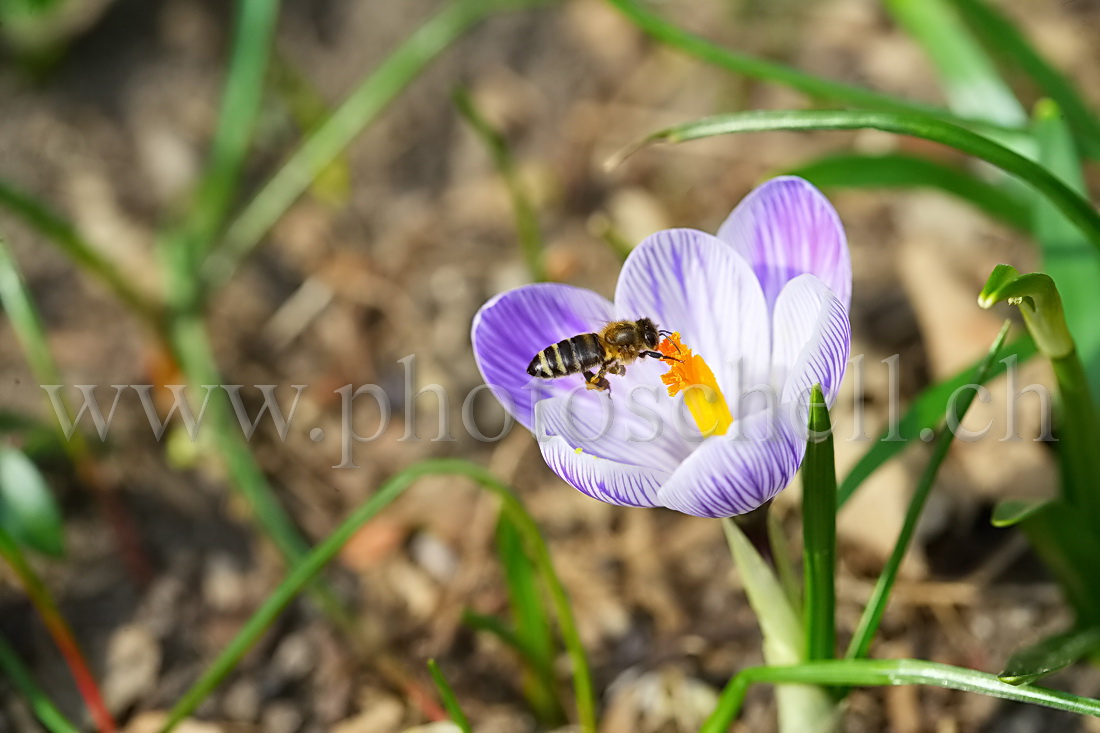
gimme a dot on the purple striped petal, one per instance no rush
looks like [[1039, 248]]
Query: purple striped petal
[[514, 326], [635, 424], [736, 472], [691, 282], [610, 481], [785, 228], [812, 338]]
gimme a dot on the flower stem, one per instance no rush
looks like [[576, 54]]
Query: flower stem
[[1079, 432]]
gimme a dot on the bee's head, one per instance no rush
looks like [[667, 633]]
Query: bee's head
[[649, 331]]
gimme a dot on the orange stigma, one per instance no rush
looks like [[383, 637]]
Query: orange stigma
[[691, 375]]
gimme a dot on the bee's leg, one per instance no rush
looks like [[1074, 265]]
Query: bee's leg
[[597, 381], [616, 369], [658, 355]]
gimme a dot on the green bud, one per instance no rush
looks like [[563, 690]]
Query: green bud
[[1039, 302]]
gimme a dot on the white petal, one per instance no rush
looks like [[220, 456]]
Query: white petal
[[737, 472], [608, 481], [812, 340], [691, 282]]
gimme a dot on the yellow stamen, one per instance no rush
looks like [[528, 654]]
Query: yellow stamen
[[693, 377]]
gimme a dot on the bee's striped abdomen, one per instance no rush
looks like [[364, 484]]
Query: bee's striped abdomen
[[571, 356]]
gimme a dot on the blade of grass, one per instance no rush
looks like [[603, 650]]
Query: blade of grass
[[1067, 257], [309, 108], [1003, 37], [501, 630], [253, 35], [819, 532], [300, 576], [346, 122], [46, 712], [898, 170], [809, 84], [970, 80], [25, 321], [30, 333], [192, 347], [1068, 201], [494, 626], [527, 223], [532, 626], [888, 672], [876, 605], [191, 344], [180, 249], [926, 411], [74, 246], [1010, 512], [1050, 655], [447, 695], [60, 632]]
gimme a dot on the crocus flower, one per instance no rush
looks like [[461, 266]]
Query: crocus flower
[[759, 309]]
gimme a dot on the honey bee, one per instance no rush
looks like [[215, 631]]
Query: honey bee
[[618, 344]]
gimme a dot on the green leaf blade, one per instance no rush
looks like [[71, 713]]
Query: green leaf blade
[[814, 86], [359, 109], [890, 672], [1002, 35], [876, 606], [325, 551], [926, 412], [1050, 655], [1067, 257], [1078, 209], [899, 170], [80, 251], [254, 32], [1067, 543], [533, 632], [523, 211], [970, 80], [1011, 512], [819, 532], [43, 708], [450, 701], [27, 508]]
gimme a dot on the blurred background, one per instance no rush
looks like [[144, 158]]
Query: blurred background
[[109, 108]]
